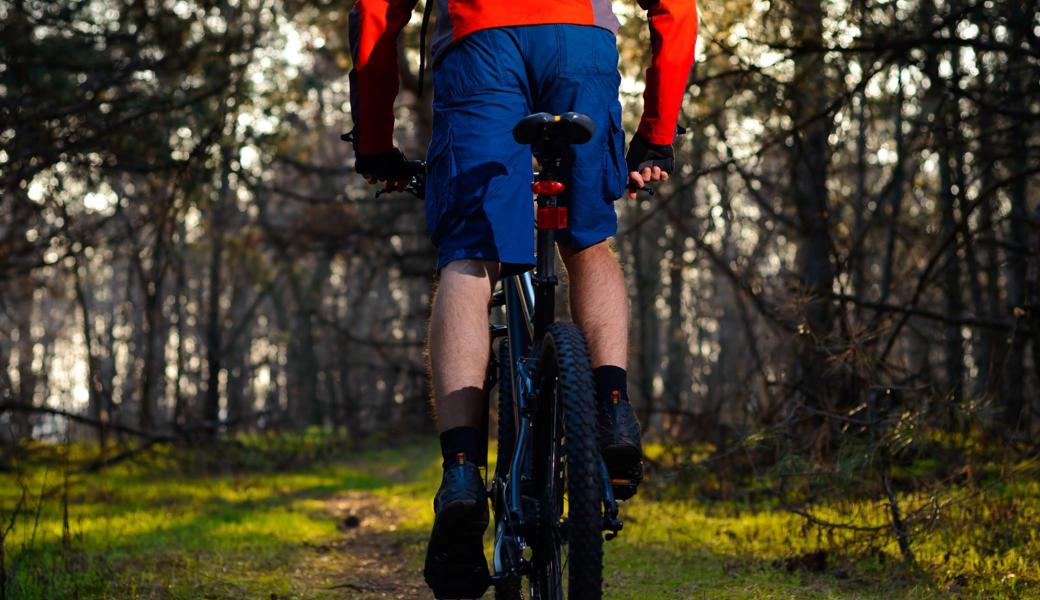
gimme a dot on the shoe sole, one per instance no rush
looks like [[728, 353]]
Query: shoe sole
[[625, 466], [453, 568]]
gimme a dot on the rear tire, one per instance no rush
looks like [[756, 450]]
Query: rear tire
[[567, 467], [506, 425]]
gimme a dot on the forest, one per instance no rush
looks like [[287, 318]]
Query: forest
[[213, 378]]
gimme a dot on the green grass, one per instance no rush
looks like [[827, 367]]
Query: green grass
[[149, 530]]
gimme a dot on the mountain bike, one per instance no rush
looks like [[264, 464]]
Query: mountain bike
[[551, 494]]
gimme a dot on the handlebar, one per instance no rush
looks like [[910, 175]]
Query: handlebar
[[414, 171], [411, 168]]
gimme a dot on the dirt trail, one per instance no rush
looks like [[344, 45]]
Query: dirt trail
[[370, 559]]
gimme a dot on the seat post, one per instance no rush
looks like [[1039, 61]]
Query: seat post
[[545, 277]]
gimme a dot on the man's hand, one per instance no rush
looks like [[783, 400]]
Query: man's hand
[[647, 163], [386, 166]]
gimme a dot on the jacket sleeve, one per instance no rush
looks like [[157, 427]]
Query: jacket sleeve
[[374, 80], [673, 37]]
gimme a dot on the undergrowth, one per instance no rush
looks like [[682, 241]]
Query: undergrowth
[[259, 519]]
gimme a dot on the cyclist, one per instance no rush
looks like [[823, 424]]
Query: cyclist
[[494, 63]]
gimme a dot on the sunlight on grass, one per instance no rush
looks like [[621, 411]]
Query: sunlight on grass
[[145, 531], [228, 535]]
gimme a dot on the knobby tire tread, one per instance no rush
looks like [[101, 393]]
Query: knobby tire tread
[[584, 491], [506, 427]]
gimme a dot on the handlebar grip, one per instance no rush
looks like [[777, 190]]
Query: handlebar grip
[[413, 173], [409, 169]]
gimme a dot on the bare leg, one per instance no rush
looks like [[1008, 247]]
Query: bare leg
[[459, 342], [599, 305], [599, 302], [455, 563]]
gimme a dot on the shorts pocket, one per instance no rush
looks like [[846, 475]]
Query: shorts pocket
[[615, 173], [441, 174]]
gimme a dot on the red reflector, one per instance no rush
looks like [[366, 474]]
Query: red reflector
[[552, 217], [546, 187]]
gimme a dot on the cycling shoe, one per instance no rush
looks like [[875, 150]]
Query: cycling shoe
[[620, 444], [455, 562]]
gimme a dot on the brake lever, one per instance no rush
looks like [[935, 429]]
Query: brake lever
[[417, 185], [412, 187], [649, 189]]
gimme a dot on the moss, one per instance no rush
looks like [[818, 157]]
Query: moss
[[148, 531]]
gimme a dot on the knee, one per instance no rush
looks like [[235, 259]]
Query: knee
[[596, 254], [468, 267], [470, 271]]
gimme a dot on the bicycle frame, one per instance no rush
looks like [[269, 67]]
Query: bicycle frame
[[530, 305], [529, 302]]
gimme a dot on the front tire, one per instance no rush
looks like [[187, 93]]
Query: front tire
[[567, 469]]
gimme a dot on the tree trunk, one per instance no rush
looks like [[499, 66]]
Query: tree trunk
[[152, 377], [809, 158], [986, 349], [896, 202], [237, 344], [180, 408], [214, 327], [677, 380], [856, 267], [1014, 371], [96, 403], [26, 389], [302, 359], [647, 279]]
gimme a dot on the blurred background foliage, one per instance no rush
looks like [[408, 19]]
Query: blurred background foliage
[[835, 300]]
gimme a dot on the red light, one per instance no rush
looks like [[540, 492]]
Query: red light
[[552, 217], [546, 187]]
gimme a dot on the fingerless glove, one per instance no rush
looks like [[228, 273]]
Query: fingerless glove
[[642, 154], [382, 166]]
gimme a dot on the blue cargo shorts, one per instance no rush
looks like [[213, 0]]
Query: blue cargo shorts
[[478, 196]]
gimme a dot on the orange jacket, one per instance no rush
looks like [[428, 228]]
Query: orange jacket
[[375, 25]]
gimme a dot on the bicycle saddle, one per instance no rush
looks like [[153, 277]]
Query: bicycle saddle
[[568, 128]]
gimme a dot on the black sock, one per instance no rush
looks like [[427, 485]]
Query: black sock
[[460, 440], [611, 384]]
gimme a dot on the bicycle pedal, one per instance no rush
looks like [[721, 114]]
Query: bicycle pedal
[[624, 488]]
